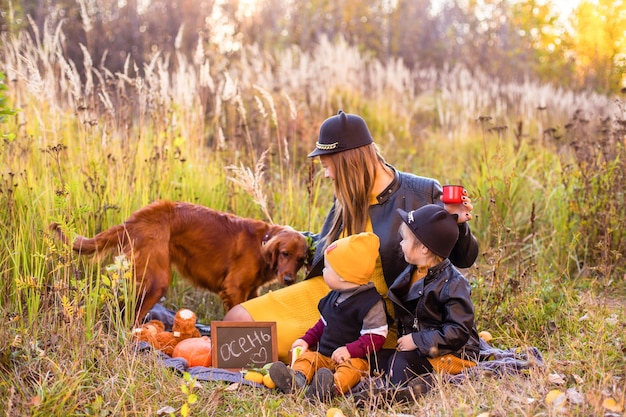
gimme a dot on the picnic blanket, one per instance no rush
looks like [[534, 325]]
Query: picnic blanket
[[492, 361], [499, 362], [180, 365]]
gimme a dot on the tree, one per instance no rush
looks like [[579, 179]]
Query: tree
[[414, 35], [545, 41], [599, 43]]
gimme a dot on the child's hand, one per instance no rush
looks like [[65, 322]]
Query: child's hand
[[300, 343], [406, 343], [341, 354]]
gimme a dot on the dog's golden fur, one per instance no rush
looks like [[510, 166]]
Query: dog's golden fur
[[226, 254]]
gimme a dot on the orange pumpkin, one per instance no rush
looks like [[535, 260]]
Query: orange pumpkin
[[196, 350]]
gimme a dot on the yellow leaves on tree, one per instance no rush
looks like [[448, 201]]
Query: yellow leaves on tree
[[600, 41]]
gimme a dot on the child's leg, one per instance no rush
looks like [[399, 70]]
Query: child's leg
[[348, 373], [309, 362], [404, 366]]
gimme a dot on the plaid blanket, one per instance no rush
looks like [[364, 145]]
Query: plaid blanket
[[492, 361], [200, 373], [498, 362]]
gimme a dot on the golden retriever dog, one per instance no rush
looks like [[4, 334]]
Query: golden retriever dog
[[226, 254]]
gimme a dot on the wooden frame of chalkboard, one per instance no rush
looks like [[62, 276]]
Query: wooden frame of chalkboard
[[240, 345]]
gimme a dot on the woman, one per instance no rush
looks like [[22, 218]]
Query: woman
[[367, 193]]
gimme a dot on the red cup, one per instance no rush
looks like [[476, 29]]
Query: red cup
[[452, 194]]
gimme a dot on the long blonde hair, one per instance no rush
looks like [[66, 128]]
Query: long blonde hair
[[355, 174]]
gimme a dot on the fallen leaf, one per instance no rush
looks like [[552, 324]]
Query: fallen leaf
[[167, 410], [612, 405], [334, 412], [232, 387], [485, 335], [575, 397], [556, 399], [556, 379]]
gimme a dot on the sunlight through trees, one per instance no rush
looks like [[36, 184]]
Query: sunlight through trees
[[580, 45]]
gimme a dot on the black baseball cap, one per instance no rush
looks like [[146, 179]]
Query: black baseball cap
[[342, 132], [434, 227]]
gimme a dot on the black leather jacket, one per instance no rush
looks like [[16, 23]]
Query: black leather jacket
[[408, 192], [437, 311]]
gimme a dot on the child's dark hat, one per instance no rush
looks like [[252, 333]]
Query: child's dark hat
[[434, 227], [342, 132]]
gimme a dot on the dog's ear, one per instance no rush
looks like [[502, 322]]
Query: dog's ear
[[270, 251]]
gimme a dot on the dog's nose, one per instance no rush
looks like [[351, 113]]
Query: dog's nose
[[289, 280]]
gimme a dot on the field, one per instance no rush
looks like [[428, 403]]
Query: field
[[544, 168]]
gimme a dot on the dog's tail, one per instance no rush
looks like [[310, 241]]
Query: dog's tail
[[114, 238]]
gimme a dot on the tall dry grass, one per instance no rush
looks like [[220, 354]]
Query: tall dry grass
[[544, 168]]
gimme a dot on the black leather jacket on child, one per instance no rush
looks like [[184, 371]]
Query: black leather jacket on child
[[437, 310]]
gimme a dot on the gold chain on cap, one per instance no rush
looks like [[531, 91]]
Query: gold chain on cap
[[326, 147]]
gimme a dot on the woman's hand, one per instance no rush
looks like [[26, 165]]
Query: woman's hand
[[462, 210]]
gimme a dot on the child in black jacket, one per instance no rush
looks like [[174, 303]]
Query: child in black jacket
[[432, 303]]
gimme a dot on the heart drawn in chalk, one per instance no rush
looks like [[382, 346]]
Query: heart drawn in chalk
[[260, 356]]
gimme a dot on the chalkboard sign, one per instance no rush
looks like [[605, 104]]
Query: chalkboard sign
[[237, 345]]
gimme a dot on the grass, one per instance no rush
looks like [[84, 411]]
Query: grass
[[545, 184]]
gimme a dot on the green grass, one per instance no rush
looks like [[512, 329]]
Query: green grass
[[547, 212]]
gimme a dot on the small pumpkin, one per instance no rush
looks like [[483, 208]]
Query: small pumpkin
[[195, 350], [254, 376], [267, 381]]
